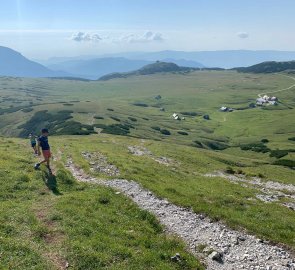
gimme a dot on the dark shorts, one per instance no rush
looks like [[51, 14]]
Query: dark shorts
[[33, 144], [46, 153]]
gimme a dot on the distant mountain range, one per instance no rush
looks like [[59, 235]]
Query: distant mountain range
[[158, 67], [95, 68], [269, 67], [12, 63], [222, 59]]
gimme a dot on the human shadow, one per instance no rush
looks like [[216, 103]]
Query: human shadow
[[50, 181]]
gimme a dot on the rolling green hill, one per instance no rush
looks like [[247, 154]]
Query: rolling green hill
[[269, 67], [158, 67]]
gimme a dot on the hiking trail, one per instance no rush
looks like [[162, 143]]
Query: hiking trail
[[218, 246]]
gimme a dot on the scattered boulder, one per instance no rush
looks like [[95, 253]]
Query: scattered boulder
[[216, 256]]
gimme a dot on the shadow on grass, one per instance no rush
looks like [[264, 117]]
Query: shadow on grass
[[51, 183]]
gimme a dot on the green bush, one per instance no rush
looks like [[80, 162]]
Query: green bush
[[156, 128], [256, 147], [278, 153], [213, 145], [291, 139], [116, 129], [140, 104], [115, 118], [98, 117], [57, 124], [182, 133], [165, 132], [264, 140], [132, 119], [285, 162]]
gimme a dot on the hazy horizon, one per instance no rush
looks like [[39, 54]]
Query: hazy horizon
[[63, 29]]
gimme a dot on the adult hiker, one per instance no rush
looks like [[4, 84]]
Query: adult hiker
[[33, 142], [44, 145]]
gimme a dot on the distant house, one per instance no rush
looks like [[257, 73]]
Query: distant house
[[266, 100], [176, 116], [223, 109], [260, 101]]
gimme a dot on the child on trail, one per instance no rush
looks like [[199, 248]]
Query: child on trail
[[32, 139], [44, 145]]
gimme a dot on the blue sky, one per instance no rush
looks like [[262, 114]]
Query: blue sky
[[46, 28]]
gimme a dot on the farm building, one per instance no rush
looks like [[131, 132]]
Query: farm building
[[176, 116]]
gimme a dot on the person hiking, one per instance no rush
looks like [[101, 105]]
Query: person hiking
[[44, 145], [33, 142]]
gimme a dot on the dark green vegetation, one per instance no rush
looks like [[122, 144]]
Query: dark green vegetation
[[269, 67], [47, 221], [158, 67]]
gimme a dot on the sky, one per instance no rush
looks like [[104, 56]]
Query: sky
[[41, 29]]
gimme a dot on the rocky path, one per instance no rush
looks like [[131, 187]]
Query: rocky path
[[218, 246], [271, 191]]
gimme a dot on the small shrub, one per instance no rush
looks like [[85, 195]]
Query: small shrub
[[285, 162], [278, 153], [104, 200], [191, 113], [291, 139], [256, 147], [98, 117], [140, 104], [144, 118], [109, 109], [264, 140], [230, 170], [68, 104], [198, 144], [182, 133], [115, 118], [156, 128], [132, 119], [213, 145], [165, 132]]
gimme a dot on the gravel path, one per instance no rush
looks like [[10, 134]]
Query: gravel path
[[218, 246], [271, 191]]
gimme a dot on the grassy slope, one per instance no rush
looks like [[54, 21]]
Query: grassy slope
[[184, 185], [43, 224], [200, 91]]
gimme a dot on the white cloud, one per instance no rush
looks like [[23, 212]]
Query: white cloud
[[147, 37], [242, 34], [83, 36]]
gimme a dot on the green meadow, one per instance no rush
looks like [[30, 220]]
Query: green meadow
[[107, 117]]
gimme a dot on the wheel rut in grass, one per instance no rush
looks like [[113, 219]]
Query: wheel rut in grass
[[218, 246], [52, 236]]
